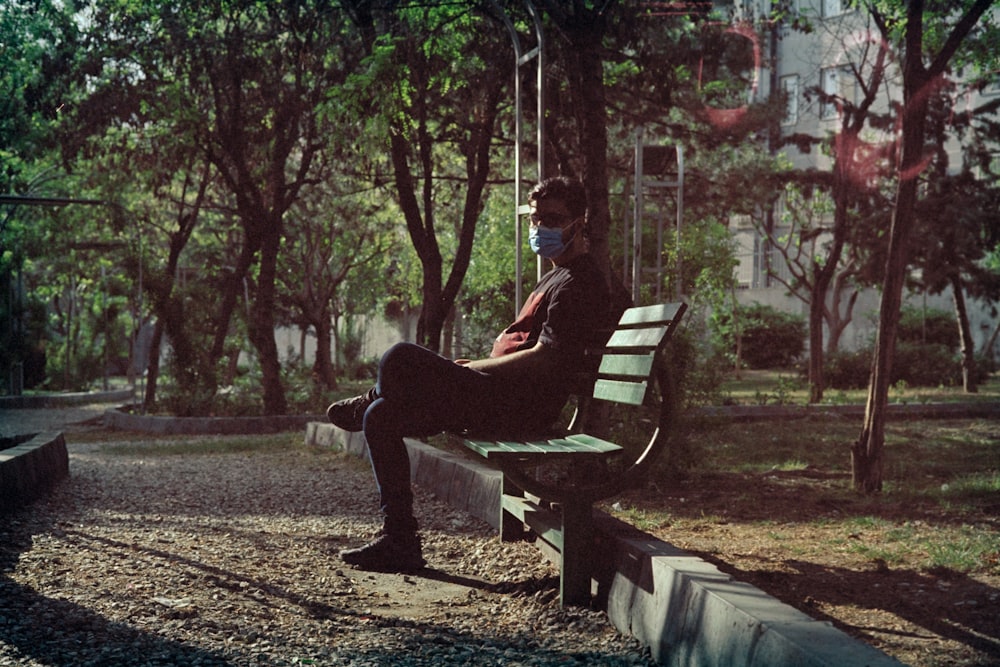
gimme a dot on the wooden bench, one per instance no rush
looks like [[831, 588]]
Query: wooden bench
[[559, 510]]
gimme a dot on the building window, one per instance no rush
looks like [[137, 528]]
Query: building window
[[829, 77], [790, 86], [747, 251], [832, 8], [838, 86]]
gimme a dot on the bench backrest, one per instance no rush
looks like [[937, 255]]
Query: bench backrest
[[628, 360]]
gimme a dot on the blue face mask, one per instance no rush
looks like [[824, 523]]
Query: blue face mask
[[546, 241]]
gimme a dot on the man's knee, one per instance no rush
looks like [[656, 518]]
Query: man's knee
[[402, 368], [400, 357]]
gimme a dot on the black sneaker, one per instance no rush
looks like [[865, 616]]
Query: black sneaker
[[387, 553], [349, 413]]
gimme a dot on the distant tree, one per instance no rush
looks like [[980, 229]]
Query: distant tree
[[927, 38], [957, 223], [803, 241], [39, 40], [431, 94], [325, 247], [245, 83]]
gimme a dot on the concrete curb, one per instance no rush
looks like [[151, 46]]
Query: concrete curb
[[42, 401], [680, 606], [30, 465], [895, 411], [123, 421]]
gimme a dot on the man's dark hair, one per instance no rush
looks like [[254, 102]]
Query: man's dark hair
[[568, 190]]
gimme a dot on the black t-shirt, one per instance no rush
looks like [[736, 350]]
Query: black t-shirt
[[570, 310]]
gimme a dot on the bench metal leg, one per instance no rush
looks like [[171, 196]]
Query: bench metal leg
[[511, 526], [577, 554], [567, 528]]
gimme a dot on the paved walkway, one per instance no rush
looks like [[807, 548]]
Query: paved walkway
[[22, 422]]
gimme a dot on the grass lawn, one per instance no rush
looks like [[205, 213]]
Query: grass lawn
[[913, 570], [770, 387]]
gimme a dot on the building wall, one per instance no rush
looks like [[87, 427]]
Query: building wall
[[820, 59], [379, 334]]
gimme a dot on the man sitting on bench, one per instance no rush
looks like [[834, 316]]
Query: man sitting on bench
[[520, 389]]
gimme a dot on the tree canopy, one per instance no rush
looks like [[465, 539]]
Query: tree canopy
[[303, 165]]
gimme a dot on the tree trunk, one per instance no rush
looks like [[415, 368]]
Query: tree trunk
[[968, 346], [586, 80], [431, 320], [262, 321], [846, 146], [836, 322], [867, 453], [816, 381], [170, 319], [149, 399], [323, 369], [230, 296]]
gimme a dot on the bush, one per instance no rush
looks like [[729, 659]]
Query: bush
[[926, 365], [917, 365], [771, 338], [847, 370], [919, 326]]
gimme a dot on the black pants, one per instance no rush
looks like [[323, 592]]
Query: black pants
[[420, 393]]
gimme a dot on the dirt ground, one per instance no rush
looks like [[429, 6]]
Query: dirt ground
[[799, 537], [784, 532]]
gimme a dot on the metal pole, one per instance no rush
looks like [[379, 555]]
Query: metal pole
[[518, 137], [659, 256], [142, 321], [520, 59], [540, 83], [518, 134], [637, 221], [680, 217]]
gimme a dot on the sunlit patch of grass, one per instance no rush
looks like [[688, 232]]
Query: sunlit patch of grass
[[209, 444], [968, 550], [963, 490], [920, 545], [642, 519], [790, 465], [890, 554], [867, 523]]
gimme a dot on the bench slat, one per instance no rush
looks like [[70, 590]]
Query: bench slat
[[659, 313], [583, 444], [632, 393], [648, 338], [497, 450], [492, 448], [629, 365], [594, 442]]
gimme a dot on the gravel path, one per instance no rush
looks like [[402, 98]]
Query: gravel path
[[158, 553]]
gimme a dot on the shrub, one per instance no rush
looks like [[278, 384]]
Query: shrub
[[847, 370], [918, 326], [771, 338], [927, 365], [918, 365]]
